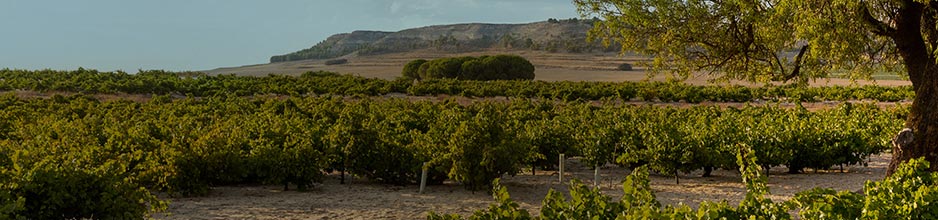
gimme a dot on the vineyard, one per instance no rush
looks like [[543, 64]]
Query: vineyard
[[909, 194], [313, 83], [58, 153]]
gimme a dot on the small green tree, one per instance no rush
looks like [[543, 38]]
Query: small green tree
[[443, 68], [498, 67], [411, 69]]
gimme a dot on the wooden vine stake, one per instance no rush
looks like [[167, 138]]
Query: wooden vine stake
[[423, 177], [561, 169], [596, 177]]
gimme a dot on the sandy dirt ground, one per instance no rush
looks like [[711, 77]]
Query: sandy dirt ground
[[363, 200], [550, 67]]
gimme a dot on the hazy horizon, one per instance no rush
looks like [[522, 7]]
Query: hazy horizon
[[199, 35]]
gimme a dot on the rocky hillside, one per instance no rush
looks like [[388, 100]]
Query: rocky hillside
[[552, 35]]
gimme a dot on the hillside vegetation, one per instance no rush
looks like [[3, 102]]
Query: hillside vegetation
[[552, 35]]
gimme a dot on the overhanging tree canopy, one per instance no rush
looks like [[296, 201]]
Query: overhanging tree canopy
[[784, 40]]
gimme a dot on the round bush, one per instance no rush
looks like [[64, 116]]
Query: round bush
[[499, 67], [625, 67], [411, 68], [444, 68], [336, 62], [54, 191]]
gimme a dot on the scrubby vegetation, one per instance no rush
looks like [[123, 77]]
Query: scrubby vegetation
[[625, 67], [336, 62]]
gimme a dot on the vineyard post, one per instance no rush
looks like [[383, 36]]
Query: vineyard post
[[561, 169], [596, 177], [342, 178], [423, 177]]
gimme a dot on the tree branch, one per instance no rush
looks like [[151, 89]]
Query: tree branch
[[781, 66], [878, 27], [798, 61]]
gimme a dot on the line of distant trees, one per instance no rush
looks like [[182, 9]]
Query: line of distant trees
[[498, 67]]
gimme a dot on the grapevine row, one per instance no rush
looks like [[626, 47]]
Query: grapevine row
[[56, 148], [910, 193], [201, 85]]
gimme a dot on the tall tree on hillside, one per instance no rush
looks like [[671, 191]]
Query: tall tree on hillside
[[787, 40]]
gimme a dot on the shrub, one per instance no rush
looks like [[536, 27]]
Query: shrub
[[51, 190], [625, 67], [286, 152], [336, 62], [411, 69], [483, 148], [499, 67], [214, 158], [311, 74], [475, 69], [444, 68]]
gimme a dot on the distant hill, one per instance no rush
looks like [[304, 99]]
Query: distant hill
[[553, 35]]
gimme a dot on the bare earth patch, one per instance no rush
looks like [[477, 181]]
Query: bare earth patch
[[363, 200], [550, 67]]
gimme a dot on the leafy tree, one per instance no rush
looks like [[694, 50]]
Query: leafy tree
[[443, 68], [783, 40], [411, 68], [498, 67]]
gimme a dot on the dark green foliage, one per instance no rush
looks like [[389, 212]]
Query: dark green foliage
[[443, 68], [483, 147], [312, 74], [410, 70], [625, 67], [549, 138], [55, 190], [484, 68], [336, 62], [498, 67]]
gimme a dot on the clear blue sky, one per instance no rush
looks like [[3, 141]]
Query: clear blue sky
[[205, 34]]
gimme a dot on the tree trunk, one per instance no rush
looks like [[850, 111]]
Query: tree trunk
[[923, 125], [920, 63]]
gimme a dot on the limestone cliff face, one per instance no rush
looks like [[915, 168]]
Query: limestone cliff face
[[563, 35]]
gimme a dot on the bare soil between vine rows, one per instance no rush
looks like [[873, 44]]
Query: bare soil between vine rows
[[364, 200]]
